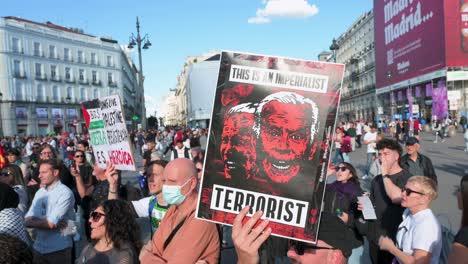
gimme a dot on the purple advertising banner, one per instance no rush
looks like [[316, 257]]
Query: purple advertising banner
[[439, 101], [400, 95], [408, 39], [417, 92], [428, 89], [409, 95]]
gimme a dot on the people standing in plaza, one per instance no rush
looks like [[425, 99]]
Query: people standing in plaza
[[50, 212], [181, 237], [180, 151], [358, 133], [414, 244], [152, 207], [386, 196], [83, 145], [459, 253], [14, 157], [352, 133], [11, 175], [338, 157], [370, 140], [115, 235], [438, 131], [416, 163]]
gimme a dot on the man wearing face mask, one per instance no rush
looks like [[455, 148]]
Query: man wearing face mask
[[180, 237]]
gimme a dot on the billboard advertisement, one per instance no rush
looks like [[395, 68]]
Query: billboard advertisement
[[269, 141], [456, 32], [409, 39]]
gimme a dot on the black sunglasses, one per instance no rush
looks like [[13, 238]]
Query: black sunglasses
[[300, 247], [408, 191], [78, 156], [96, 216], [341, 168]]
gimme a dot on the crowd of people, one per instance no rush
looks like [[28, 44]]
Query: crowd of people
[[53, 196]]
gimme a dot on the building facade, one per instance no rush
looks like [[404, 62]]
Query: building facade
[[46, 71], [183, 112], [356, 50]]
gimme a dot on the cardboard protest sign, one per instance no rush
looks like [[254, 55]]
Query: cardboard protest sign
[[269, 141], [105, 120]]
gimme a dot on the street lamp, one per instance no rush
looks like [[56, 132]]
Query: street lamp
[[138, 40], [334, 47]]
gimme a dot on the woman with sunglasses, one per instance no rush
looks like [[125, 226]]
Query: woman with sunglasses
[[12, 175], [459, 253], [419, 236], [80, 166], [115, 235]]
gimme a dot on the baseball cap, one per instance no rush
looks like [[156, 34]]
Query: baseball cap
[[412, 141]]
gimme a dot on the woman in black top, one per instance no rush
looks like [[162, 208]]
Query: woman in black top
[[459, 253], [115, 235]]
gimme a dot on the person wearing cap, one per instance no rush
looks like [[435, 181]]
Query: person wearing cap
[[416, 163], [332, 246]]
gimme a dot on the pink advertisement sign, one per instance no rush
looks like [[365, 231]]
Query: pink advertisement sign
[[409, 39], [456, 32]]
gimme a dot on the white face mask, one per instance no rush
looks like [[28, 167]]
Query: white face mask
[[172, 194]]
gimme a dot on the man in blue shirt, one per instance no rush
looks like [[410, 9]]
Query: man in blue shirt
[[50, 214]]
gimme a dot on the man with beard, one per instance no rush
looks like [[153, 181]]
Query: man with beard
[[238, 143], [285, 124]]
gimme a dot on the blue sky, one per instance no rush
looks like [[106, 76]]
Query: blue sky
[[181, 28]]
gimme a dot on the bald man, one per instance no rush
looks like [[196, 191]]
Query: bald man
[[180, 237]]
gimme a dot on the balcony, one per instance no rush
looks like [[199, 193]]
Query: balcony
[[84, 82], [18, 75], [354, 76], [97, 83], [41, 77], [70, 80], [370, 66], [55, 79], [112, 84]]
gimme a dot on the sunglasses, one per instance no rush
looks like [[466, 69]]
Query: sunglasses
[[408, 191], [341, 168], [96, 216], [5, 174], [78, 156], [300, 247]]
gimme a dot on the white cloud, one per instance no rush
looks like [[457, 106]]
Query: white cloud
[[259, 20], [283, 8]]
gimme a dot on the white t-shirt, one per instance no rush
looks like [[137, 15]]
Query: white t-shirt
[[371, 147], [420, 231]]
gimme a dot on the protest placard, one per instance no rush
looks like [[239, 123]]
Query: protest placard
[[269, 141], [105, 120]]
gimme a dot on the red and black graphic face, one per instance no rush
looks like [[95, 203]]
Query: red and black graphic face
[[285, 136], [238, 145]]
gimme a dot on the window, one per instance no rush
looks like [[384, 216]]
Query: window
[[55, 93], [53, 72], [83, 94], [82, 74], [70, 93], [67, 73], [38, 68], [40, 93], [110, 61], [16, 45], [96, 93], [66, 54], [80, 56], [37, 49], [93, 58], [19, 91], [110, 78], [17, 68], [95, 77], [52, 52]]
